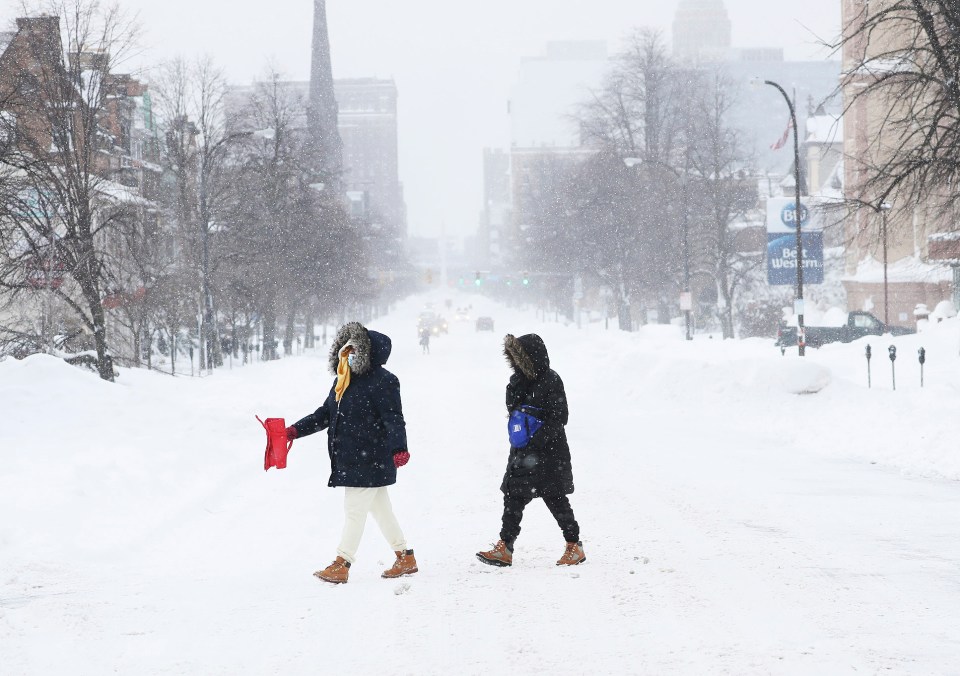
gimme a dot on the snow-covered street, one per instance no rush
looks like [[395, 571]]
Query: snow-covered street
[[731, 525]]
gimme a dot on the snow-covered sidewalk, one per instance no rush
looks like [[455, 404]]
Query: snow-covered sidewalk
[[730, 524]]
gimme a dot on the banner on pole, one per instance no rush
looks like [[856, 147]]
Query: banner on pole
[[782, 258], [782, 242]]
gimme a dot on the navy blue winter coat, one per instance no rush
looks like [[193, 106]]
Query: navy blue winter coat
[[366, 427]]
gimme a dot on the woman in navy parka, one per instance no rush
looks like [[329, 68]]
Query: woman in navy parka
[[366, 441]]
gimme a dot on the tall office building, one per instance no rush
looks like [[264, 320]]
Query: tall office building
[[368, 128], [545, 134], [701, 31]]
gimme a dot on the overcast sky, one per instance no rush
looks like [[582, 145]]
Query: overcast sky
[[454, 63]]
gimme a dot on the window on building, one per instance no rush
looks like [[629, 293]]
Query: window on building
[[8, 127], [61, 133]]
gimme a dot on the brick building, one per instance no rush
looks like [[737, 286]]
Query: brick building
[[52, 102], [915, 275]]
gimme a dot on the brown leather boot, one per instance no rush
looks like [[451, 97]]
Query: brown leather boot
[[500, 555], [406, 564], [572, 555], [336, 573]]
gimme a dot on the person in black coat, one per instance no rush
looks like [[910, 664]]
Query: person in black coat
[[539, 462], [366, 442]]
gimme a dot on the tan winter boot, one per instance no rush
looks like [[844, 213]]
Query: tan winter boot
[[336, 573], [572, 555], [500, 555], [406, 564]]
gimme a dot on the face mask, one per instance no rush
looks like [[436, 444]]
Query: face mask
[[351, 358]]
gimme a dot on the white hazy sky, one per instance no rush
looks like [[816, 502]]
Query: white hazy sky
[[454, 63]]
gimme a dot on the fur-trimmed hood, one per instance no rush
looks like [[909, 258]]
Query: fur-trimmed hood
[[372, 348], [527, 355]]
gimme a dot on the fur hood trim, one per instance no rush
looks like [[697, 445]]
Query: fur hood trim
[[356, 335], [518, 358]]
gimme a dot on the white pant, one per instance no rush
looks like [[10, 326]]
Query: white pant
[[357, 503]]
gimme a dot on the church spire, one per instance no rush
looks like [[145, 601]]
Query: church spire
[[322, 110]]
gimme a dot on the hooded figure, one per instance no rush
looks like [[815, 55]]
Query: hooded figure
[[366, 442], [541, 467]]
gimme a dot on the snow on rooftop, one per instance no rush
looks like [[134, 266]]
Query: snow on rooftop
[[122, 194], [910, 269], [825, 128], [945, 237]]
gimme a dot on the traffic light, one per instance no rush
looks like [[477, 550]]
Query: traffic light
[[478, 281], [526, 279]]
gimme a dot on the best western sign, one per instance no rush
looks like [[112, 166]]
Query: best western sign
[[782, 242]]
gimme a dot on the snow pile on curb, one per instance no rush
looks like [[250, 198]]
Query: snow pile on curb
[[800, 377]]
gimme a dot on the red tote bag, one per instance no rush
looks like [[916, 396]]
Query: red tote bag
[[277, 444]]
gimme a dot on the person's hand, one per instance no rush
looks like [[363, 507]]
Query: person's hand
[[400, 458], [291, 433]]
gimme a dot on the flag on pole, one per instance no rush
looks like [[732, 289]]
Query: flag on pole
[[782, 141]]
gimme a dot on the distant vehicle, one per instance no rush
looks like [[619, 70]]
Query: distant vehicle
[[462, 315], [431, 322], [426, 320], [859, 324], [484, 323]]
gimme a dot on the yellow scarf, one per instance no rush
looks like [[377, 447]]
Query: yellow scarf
[[343, 376]]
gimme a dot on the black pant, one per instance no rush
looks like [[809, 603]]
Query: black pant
[[559, 506]]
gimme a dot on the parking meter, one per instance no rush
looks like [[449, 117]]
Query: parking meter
[[869, 380], [892, 350], [923, 358]]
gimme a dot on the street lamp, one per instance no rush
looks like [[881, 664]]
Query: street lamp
[[797, 208], [685, 302]]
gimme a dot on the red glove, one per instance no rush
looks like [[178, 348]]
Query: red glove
[[291, 433], [400, 458]]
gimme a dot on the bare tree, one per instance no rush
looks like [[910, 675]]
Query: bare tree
[[64, 80], [635, 110], [724, 192], [191, 101]]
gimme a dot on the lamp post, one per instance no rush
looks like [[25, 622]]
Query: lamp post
[[797, 210], [685, 299], [686, 259], [884, 208]]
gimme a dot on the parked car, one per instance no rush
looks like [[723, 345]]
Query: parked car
[[484, 323], [858, 325]]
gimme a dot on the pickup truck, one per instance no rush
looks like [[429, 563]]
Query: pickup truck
[[859, 324]]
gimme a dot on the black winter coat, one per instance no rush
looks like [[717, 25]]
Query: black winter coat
[[543, 466], [366, 427]]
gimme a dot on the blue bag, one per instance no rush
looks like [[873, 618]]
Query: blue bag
[[523, 424]]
